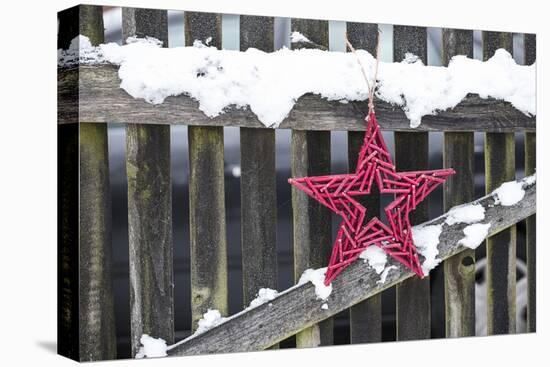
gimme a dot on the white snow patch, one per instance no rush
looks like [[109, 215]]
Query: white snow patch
[[270, 83], [475, 234], [324, 306], [529, 180], [469, 213], [426, 240], [296, 37], [236, 171], [264, 295], [209, 320], [151, 347], [385, 274], [317, 277], [375, 257], [509, 193], [146, 39]]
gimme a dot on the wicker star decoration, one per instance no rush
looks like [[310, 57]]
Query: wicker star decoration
[[338, 193]]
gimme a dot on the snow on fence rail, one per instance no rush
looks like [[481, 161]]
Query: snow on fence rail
[[299, 307], [93, 93]]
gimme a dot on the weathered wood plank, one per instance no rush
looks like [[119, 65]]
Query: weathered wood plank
[[411, 154], [500, 166], [97, 320], [86, 324], [531, 222], [101, 99], [531, 238], [206, 195], [366, 316], [316, 31], [258, 182], [68, 342], [149, 206], [141, 22], [257, 32], [458, 153], [67, 242], [310, 156], [205, 27], [297, 308], [207, 222]]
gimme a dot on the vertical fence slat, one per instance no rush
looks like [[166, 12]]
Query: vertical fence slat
[[530, 223], [207, 223], [310, 155], [149, 206], [411, 153], [501, 248], [67, 215], [85, 264], [458, 153], [67, 243], [258, 182], [366, 316]]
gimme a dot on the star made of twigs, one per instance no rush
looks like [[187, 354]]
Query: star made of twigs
[[338, 193]]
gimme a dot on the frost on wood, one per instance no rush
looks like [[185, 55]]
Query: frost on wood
[[317, 278], [210, 319], [296, 37], [264, 295], [375, 257], [509, 193], [475, 234], [151, 347], [385, 273], [271, 83], [469, 213], [426, 240]]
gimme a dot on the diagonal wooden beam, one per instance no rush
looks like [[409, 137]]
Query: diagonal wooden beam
[[297, 307]]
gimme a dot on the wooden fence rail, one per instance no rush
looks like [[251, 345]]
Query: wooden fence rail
[[93, 93], [89, 97], [298, 307]]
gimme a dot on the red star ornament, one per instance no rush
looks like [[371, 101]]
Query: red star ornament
[[337, 192]]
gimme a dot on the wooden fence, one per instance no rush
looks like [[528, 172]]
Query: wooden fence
[[90, 96]]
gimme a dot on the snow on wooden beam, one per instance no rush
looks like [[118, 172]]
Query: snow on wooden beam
[[93, 94], [297, 308]]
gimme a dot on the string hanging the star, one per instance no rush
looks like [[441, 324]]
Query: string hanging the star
[[339, 193]]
